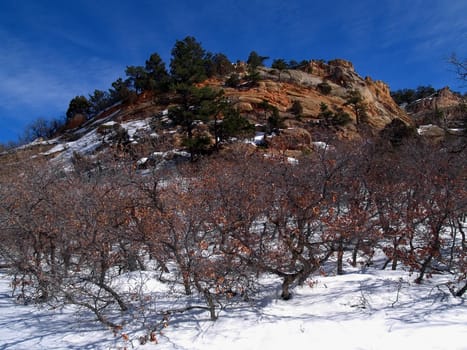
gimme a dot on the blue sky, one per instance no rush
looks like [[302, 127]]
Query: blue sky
[[53, 50]]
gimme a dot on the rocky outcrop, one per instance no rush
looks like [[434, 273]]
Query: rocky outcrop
[[339, 71], [304, 86], [443, 98], [381, 107], [296, 139], [444, 108], [432, 132]]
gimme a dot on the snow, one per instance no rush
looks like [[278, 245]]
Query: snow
[[86, 144], [429, 129], [323, 146], [58, 148], [456, 131], [363, 309], [320, 145], [424, 127], [429, 98], [142, 161], [133, 126], [110, 123], [91, 141], [27, 327], [258, 139], [99, 121]]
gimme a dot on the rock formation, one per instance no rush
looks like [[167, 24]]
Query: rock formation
[[304, 86], [444, 108]]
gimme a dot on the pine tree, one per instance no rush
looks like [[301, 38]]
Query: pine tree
[[137, 78], [78, 105], [279, 64], [196, 105], [188, 63], [355, 100], [158, 78]]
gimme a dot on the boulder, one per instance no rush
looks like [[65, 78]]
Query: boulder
[[297, 139], [432, 132], [244, 106]]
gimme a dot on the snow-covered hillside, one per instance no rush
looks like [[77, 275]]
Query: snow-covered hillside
[[363, 309]]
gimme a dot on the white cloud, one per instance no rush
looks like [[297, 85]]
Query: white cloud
[[32, 76]]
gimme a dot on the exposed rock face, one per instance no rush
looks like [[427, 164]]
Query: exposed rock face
[[446, 98], [339, 71], [443, 98], [444, 108], [381, 107], [303, 86]]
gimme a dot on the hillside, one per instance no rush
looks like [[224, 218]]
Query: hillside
[[146, 118]]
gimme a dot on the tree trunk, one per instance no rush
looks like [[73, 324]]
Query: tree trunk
[[286, 283], [423, 268], [355, 253], [394, 263], [210, 303], [394, 253], [121, 303], [461, 291], [340, 256], [461, 230], [186, 283]]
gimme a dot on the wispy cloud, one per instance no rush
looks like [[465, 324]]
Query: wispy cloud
[[39, 77], [423, 27]]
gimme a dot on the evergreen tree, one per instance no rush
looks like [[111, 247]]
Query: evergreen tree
[[325, 114], [137, 78], [397, 131], [275, 121], [99, 101], [78, 105], [424, 91], [297, 108], [235, 125], [196, 105], [233, 81], [188, 63], [355, 100], [410, 95], [272, 116], [341, 118], [218, 65], [158, 78], [255, 60], [324, 88], [330, 118], [121, 91], [279, 64]]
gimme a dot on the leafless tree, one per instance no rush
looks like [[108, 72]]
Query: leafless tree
[[460, 66]]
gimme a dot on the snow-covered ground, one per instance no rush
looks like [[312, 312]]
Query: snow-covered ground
[[370, 309], [91, 140]]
